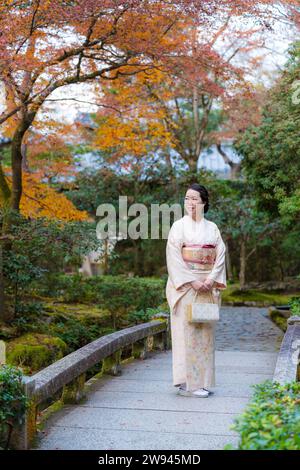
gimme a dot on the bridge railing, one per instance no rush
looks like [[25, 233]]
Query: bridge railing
[[65, 379], [287, 366]]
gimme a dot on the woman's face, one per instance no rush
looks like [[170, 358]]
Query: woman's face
[[193, 203]]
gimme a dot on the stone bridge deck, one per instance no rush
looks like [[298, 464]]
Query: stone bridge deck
[[141, 409]]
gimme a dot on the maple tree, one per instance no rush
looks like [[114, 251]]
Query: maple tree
[[39, 200], [46, 45], [49, 45], [192, 100]]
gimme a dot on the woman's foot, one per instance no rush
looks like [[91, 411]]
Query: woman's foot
[[200, 393], [180, 386]]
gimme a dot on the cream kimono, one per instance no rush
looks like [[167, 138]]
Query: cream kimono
[[193, 345]]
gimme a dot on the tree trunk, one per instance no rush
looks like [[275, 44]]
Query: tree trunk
[[167, 157], [105, 263], [174, 182], [192, 163], [138, 267], [235, 168], [228, 262], [235, 171], [281, 268], [242, 264], [25, 165], [16, 160], [11, 200], [2, 294], [17, 149]]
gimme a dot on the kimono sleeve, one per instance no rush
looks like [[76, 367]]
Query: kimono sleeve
[[218, 273], [178, 271]]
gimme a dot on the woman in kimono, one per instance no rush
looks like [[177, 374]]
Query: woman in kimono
[[195, 256]]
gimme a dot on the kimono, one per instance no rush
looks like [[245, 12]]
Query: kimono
[[195, 251]]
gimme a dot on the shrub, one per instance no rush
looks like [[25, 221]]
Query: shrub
[[114, 292], [272, 419], [28, 317], [76, 334], [141, 316], [13, 402], [40, 248], [295, 306], [118, 294], [33, 352]]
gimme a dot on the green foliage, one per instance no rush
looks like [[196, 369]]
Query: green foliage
[[271, 151], [35, 351], [261, 297], [232, 207], [27, 316], [289, 208], [295, 306], [279, 319], [40, 248], [13, 401], [143, 315], [117, 294], [272, 419], [54, 330], [157, 186], [76, 334]]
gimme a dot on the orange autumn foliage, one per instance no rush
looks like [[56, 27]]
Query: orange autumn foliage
[[139, 127], [183, 102], [40, 200], [46, 45]]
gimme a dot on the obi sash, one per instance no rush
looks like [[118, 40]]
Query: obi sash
[[199, 257]]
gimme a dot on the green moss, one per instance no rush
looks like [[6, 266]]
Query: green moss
[[279, 318], [73, 392], [44, 415], [111, 364], [7, 332], [75, 324], [233, 295], [78, 311], [33, 352], [164, 307]]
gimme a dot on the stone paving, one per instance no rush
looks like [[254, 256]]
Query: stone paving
[[141, 410], [247, 329]]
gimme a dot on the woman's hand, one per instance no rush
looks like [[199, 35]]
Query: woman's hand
[[207, 285], [198, 285], [203, 286]]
